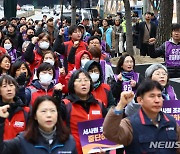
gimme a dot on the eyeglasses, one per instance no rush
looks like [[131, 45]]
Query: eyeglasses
[[81, 80], [160, 73], [94, 42]]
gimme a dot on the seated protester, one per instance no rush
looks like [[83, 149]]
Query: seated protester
[[80, 103], [5, 64], [148, 125], [18, 113], [81, 59], [21, 72], [51, 58], [168, 51], [100, 88], [8, 44], [105, 49], [126, 78], [35, 49], [64, 47], [45, 133], [108, 74], [12, 34], [43, 85], [159, 73]]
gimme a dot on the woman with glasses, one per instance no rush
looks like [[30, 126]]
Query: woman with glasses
[[81, 104], [159, 73], [126, 77]]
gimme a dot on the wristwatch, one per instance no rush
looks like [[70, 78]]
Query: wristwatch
[[118, 112]]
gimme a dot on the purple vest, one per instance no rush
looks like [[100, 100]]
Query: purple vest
[[126, 84], [12, 54], [172, 54], [171, 93]]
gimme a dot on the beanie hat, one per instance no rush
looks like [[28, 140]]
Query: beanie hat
[[150, 70]]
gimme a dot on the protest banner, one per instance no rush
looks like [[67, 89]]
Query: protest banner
[[92, 138]]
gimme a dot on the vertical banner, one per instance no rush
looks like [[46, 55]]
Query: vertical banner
[[92, 138], [172, 107]]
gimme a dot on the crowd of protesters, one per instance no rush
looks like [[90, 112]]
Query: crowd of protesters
[[54, 75]]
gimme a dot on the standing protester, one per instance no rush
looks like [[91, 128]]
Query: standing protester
[[149, 125], [117, 28], [170, 51], [147, 34], [99, 88], [126, 77], [81, 104], [18, 113], [64, 47], [45, 131], [5, 64], [35, 49]]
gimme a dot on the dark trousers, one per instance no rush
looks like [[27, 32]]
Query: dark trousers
[[146, 49]]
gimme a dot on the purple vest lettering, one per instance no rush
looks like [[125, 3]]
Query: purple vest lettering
[[126, 86], [172, 54]]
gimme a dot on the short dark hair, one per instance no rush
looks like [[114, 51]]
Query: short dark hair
[[72, 29], [9, 80], [96, 30], [92, 38], [147, 86], [45, 67], [121, 61], [74, 76], [16, 65], [57, 63], [175, 27], [1, 59], [8, 38], [147, 13], [32, 131]]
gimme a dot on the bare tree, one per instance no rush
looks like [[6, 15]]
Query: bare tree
[[178, 11], [129, 38], [165, 21]]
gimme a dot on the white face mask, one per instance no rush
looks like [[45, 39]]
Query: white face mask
[[83, 62], [45, 79], [50, 61], [44, 45], [7, 46], [94, 77]]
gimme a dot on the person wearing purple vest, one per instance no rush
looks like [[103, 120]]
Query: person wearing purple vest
[[159, 73], [9, 46], [170, 50], [126, 78]]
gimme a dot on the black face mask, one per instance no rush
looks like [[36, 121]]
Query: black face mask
[[30, 37]]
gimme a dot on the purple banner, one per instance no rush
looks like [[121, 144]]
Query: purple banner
[[92, 138], [172, 107]]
